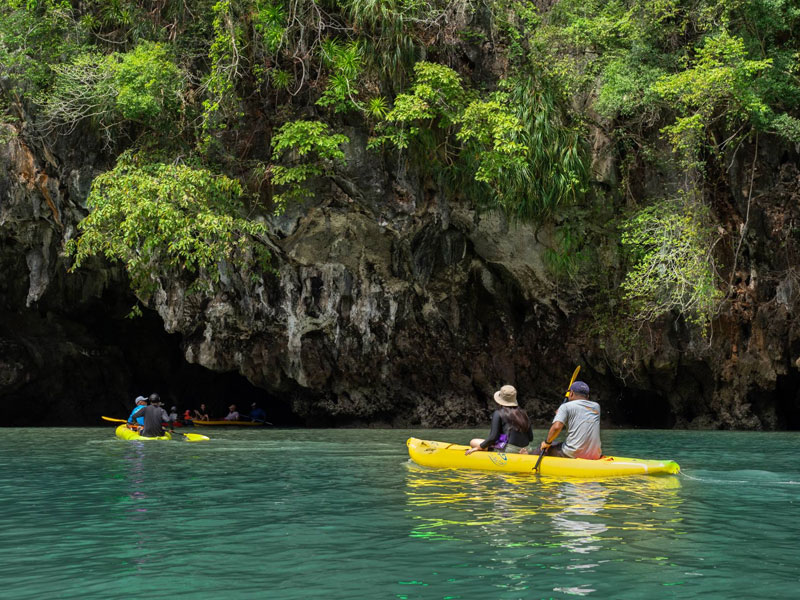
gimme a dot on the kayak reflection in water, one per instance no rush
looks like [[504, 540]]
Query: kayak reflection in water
[[511, 428], [581, 417]]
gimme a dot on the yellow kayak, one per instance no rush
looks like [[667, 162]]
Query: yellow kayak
[[451, 456], [128, 434]]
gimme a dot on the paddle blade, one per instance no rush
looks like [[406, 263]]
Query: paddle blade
[[114, 420], [195, 437], [571, 381]]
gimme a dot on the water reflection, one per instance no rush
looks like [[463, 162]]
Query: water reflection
[[584, 499], [573, 528]]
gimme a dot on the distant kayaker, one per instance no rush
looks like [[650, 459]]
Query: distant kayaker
[[201, 414], [257, 413], [173, 414], [155, 400], [581, 417], [511, 428], [153, 417], [232, 415], [137, 416]]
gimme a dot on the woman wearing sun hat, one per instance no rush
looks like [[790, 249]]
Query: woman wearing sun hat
[[511, 428]]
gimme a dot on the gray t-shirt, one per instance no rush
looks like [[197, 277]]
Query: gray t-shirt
[[582, 420]]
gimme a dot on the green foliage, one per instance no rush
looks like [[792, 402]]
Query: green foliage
[[142, 86], [787, 127], [387, 29], [83, 89], [517, 142], [554, 170], [34, 35], [159, 219], [149, 84], [513, 136], [627, 90], [345, 61], [312, 151], [432, 105], [720, 83], [491, 130], [377, 107], [269, 22], [670, 245], [222, 102]]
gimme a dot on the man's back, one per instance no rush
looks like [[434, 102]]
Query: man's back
[[152, 421], [582, 420]]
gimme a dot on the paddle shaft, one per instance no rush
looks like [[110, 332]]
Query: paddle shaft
[[254, 419], [571, 381]]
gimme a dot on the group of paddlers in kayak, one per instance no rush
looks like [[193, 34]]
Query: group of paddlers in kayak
[[511, 429], [149, 416]]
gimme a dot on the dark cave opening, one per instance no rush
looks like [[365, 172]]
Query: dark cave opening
[[155, 363], [786, 400], [90, 360], [641, 408]]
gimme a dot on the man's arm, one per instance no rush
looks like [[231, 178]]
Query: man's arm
[[135, 415], [555, 429]]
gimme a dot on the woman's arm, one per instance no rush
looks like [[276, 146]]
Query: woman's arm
[[494, 433]]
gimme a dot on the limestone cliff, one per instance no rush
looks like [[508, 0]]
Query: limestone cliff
[[389, 306]]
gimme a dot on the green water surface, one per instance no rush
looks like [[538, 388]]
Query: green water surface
[[342, 514]]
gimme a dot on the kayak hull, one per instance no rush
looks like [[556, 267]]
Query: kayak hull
[[451, 456], [126, 434]]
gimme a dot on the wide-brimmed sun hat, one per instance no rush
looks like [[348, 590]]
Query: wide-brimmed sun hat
[[506, 396]]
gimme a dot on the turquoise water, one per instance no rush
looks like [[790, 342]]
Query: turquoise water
[[294, 514]]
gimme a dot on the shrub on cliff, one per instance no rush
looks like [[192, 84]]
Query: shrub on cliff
[[162, 218], [142, 86], [670, 244]]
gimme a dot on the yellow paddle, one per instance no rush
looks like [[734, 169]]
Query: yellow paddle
[[566, 395], [190, 437]]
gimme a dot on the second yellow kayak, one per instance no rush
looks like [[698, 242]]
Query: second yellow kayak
[[128, 434]]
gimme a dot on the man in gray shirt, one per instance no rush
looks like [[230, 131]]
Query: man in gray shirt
[[581, 417]]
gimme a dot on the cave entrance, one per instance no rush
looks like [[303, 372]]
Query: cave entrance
[[643, 408], [153, 361], [787, 400]]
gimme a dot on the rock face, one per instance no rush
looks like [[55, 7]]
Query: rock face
[[390, 306]]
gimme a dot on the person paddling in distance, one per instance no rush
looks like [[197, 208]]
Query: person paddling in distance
[[257, 413], [136, 418], [581, 417], [511, 429], [153, 417], [233, 414], [201, 414]]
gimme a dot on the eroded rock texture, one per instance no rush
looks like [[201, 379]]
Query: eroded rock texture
[[390, 306]]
